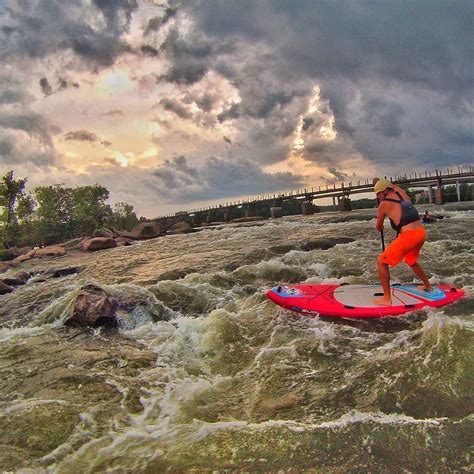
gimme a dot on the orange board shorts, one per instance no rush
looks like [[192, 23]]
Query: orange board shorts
[[407, 245]]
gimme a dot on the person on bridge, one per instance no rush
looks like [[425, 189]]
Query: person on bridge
[[395, 204]]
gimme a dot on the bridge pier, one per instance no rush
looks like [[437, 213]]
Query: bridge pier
[[430, 194], [276, 211], [458, 191], [439, 193], [228, 214], [250, 211], [307, 207], [345, 204]]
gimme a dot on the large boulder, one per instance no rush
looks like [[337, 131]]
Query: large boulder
[[73, 244], [22, 258], [92, 307], [4, 288], [51, 251], [179, 228], [17, 279], [98, 243], [146, 230]]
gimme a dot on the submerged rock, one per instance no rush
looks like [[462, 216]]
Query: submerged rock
[[4, 288], [18, 279], [60, 272], [324, 244], [92, 307]]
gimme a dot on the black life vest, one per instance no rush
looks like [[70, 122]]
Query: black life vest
[[409, 213]]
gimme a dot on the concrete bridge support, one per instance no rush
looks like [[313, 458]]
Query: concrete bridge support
[[430, 194], [228, 214], [458, 191], [250, 210], [345, 204], [276, 211], [439, 194], [307, 207]]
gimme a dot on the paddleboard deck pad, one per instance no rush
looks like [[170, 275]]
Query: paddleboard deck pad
[[355, 301]]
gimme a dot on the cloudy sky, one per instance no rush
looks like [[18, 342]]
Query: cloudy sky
[[175, 104]]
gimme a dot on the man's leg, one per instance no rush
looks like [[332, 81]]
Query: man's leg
[[384, 277], [418, 271]]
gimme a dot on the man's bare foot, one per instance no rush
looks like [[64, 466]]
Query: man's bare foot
[[425, 288], [382, 301]]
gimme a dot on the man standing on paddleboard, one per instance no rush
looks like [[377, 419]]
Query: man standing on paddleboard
[[395, 204]]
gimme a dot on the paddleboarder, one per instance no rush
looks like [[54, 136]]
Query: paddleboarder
[[395, 204]]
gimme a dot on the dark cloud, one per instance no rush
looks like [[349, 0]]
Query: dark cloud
[[82, 136], [45, 86], [47, 27], [154, 24], [190, 57], [176, 107], [231, 113], [149, 50], [412, 57], [217, 178]]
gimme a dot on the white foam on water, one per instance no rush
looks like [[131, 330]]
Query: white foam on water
[[7, 334], [29, 403]]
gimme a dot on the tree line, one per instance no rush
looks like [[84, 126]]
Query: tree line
[[52, 214]]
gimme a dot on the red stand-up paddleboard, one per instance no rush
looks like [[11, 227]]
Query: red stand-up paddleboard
[[355, 301]]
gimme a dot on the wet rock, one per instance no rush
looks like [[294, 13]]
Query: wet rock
[[282, 249], [61, 272], [18, 279], [92, 307], [51, 251], [146, 230], [324, 244], [98, 243], [22, 258], [73, 244], [123, 241], [4, 288], [179, 228]]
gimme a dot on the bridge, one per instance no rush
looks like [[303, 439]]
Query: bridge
[[433, 182]]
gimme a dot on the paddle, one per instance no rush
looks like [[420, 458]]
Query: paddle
[[381, 232]]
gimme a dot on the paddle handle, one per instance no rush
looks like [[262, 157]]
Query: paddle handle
[[383, 240]]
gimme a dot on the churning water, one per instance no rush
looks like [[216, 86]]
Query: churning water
[[205, 373]]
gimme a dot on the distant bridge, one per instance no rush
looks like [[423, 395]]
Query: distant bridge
[[433, 182]]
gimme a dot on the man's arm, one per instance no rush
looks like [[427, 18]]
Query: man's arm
[[380, 217]]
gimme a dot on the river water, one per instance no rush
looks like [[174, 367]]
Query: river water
[[205, 373]]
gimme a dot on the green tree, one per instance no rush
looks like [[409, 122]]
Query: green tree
[[90, 207], [55, 213], [124, 216], [10, 190]]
